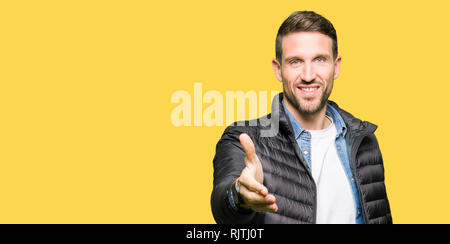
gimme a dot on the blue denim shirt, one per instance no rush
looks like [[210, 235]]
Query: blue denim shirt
[[303, 138]]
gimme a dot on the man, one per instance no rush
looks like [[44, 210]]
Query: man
[[322, 165]]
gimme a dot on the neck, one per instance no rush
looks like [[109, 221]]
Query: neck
[[316, 121]]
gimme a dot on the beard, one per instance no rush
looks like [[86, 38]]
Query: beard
[[306, 109]]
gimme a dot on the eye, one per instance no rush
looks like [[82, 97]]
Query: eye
[[320, 59], [294, 62]]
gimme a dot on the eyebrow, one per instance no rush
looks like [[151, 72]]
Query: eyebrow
[[327, 56]]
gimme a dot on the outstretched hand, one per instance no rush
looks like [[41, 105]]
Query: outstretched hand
[[253, 193]]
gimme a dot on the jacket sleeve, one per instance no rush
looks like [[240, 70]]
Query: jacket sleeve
[[228, 164]]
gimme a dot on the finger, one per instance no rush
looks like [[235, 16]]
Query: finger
[[251, 184], [266, 208], [252, 198], [248, 146], [257, 202]]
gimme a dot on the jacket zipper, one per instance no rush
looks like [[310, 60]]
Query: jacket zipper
[[303, 161], [354, 149]]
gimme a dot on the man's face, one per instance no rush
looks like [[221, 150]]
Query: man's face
[[307, 70]]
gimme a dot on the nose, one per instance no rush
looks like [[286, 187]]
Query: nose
[[308, 74]]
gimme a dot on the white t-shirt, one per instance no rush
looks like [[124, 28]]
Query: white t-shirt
[[335, 201]]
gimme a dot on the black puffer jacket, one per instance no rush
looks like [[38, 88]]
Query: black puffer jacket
[[286, 175]]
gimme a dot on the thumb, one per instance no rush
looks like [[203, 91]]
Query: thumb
[[249, 147]]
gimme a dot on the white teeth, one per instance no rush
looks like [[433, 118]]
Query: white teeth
[[309, 89]]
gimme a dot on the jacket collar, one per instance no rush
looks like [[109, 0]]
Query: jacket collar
[[354, 124], [330, 112]]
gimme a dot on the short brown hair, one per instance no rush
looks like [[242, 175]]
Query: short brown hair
[[305, 21]]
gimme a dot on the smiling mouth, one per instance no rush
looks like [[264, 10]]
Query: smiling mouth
[[308, 89]]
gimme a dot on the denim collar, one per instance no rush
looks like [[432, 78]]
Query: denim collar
[[331, 112]]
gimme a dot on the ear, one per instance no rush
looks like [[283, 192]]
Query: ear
[[337, 67], [277, 69]]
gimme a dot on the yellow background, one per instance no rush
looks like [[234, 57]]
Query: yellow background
[[85, 89]]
